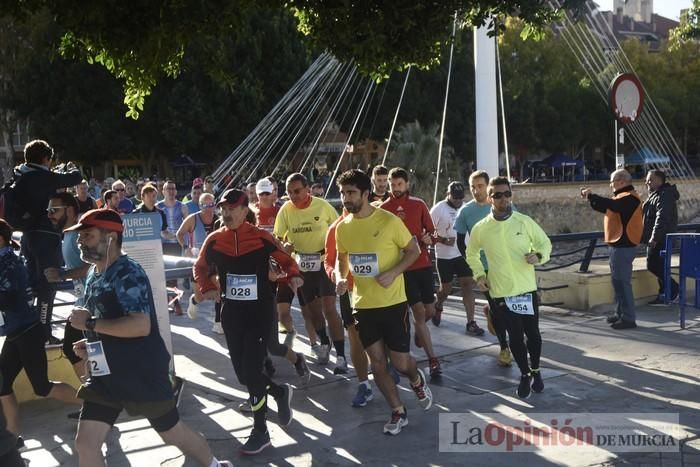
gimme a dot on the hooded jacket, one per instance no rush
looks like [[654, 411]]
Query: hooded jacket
[[660, 213]]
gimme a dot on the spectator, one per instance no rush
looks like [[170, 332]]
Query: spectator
[[124, 205], [192, 204], [85, 201], [110, 200]]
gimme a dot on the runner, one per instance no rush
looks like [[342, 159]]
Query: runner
[[419, 276], [450, 262], [467, 217], [370, 242], [357, 353], [380, 184], [128, 361], [241, 254], [304, 221], [516, 243]]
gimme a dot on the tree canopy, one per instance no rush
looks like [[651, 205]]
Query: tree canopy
[[141, 41]]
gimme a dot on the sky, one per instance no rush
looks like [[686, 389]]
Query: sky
[[668, 8]]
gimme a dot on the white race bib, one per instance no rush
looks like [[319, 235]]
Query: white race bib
[[241, 287], [364, 264], [521, 304], [309, 262], [97, 359]]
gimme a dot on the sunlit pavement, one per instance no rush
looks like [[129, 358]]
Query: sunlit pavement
[[587, 367]]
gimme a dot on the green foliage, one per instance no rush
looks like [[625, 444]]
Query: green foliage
[[689, 29]]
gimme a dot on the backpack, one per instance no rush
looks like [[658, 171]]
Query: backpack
[[11, 209]]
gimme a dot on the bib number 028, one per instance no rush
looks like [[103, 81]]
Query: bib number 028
[[242, 287]]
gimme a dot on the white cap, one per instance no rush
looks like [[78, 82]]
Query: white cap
[[264, 186]]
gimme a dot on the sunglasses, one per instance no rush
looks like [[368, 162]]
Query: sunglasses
[[501, 194], [54, 209], [205, 206]]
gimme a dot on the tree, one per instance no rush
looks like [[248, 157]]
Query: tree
[[689, 29], [142, 40]]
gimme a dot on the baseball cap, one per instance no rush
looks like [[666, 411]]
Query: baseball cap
[[456, 189], [233, 197], [264, 186], [197, 183], [6, 234], [102, 218]]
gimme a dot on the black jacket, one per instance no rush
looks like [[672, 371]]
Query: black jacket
[[35, 185], [660, 212]]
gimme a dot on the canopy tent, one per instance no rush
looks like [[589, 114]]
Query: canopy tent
[[646, 156], [555, 168]]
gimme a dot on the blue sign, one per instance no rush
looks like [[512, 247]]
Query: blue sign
[[142, 226]]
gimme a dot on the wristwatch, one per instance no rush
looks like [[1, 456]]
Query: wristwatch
[[90, 324]]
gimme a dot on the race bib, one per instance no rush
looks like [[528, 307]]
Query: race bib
[[364, 264], [521, 304], [97, 359], [241, 287], [310, 262]]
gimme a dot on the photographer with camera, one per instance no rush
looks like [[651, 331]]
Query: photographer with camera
[[34, 184]]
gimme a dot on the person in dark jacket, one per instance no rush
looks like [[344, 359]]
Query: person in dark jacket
[[24, 338], [660, 218], [41, 243], [623, 232]]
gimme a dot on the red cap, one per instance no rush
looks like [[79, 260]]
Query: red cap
[[102, 218]]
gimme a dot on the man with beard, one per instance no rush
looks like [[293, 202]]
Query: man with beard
[[380, 183], [420, 289], [128, 361], [110, 200], [516, 243], [62, 212], [450, 262], [241, 255], [467, 217], [377, 248]]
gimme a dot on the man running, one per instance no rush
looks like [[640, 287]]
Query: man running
[[450, 261], [467, 217], [516, 243], [420, 289], [370, 242], [241, 254], [304, 221], [380, 184]]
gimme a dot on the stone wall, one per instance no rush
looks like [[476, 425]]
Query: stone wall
[[558, 207]]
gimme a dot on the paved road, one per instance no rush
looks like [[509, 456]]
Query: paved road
[[587, 367]]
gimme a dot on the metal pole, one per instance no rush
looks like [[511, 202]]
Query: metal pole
[[486, 101]]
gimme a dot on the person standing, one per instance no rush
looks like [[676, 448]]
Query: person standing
[[192, 204], [41, 244], [450, 261], [124, 204], [660, 213], [623, 226], [175, 213], [467, 217], [85, 201], [420, 288], [241, 254], [377, 248], [128, 360], [516, 243]]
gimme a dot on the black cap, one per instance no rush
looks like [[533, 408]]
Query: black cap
[[233, 197], [456, 189], [6, 234]]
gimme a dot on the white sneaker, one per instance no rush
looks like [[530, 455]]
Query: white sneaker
[[192, 309], [217, 328], [341, 366]]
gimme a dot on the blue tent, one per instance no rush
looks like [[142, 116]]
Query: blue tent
[[646, 156]]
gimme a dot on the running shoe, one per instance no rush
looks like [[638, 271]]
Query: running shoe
[[341, 367], [284, 406], [192, 308], [364, 395], [537, 383], [523, 390], [622, 324], [257, 441], [505, 358], [19, 444], [289, 339], [435, 368], [612, 319], [395, 375], [244, 407], [269, 368], [423, 392], [217, 329], [302, 369], [474, 329], [324, 353], [398, 420]]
